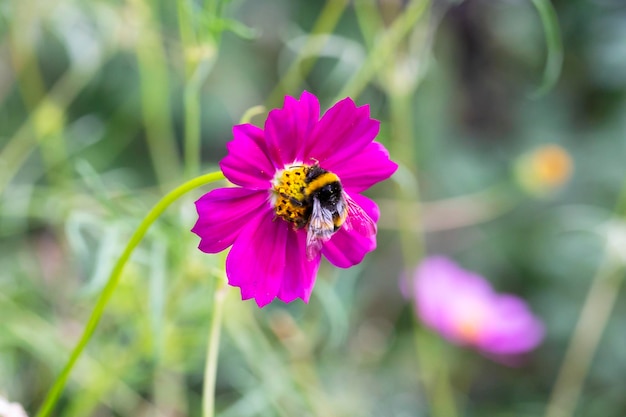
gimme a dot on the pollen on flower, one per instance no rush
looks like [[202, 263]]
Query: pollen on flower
[[288, 195]]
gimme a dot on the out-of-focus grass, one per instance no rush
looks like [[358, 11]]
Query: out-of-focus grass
[[106, 105]]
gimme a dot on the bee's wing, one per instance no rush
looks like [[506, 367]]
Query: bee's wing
[[313, 246], [320, 229], [357, 219]]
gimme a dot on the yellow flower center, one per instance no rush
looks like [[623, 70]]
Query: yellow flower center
[[469, 325], [553, 165], [288, 198], [469, 330], [544, 169]]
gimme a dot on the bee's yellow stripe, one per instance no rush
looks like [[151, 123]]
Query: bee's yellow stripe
[[317, 183]]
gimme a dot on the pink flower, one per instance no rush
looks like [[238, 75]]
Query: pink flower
[[8, 409], [298, 197], [464, 309]]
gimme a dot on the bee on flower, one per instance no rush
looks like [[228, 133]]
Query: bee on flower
[[311, 197], [297, 197]]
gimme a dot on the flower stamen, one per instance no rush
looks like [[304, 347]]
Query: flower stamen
[[288, 195]]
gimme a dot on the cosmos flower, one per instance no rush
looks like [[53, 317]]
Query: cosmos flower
[[544, 169], [297, 197], [465, 310], [9, 409]]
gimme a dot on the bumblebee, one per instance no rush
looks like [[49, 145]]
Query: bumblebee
[[313, 198]]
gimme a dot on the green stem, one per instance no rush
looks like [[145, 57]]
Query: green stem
[[192, 98], [370, 20], [210, 369], [301, 66], [590, 326], [155, 100], [435, 373], [16, 150], [201, 49], [408, 187], [383, 50], [554, 46], [593, 319], [48, 128], [192, 129], [55, 392], [431, 360]]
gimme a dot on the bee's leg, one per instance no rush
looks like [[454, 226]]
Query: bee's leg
[[292, 200]]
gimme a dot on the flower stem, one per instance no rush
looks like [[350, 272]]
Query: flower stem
[[210, 368], [155, 104], [55, 392], [554, 46], [584, 342], [383, 50], [435, 374], [590, 326], [431, 361], [303, 63]]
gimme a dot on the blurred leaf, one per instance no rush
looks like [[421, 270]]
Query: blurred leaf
[[236, 27]]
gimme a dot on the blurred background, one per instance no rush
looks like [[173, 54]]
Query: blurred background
[[511, 163]]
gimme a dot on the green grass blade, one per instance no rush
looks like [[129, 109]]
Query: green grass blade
[[554, 47], [55, 392]]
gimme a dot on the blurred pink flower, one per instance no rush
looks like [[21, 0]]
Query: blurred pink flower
[[275, 250], [465, 309], [9, 409]]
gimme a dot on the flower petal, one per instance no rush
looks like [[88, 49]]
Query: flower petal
[[463, 307], [370, 166], [256, 263], [268, 260], [348, 247], [221, 214], [512, 329], [342, 133], [445, 293], [248, 162], [370, 207], [288, 129], [300, 273], [436, 278]]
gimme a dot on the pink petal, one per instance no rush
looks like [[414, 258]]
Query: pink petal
[[366, 204], [248, 163], [268, 260], [288, 129], [512, 329], [300, 273], [446, 292], [343, 132], [347, 247], [256, 262], [372, 165], [222, 214], [448, 297], [435, 279]]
